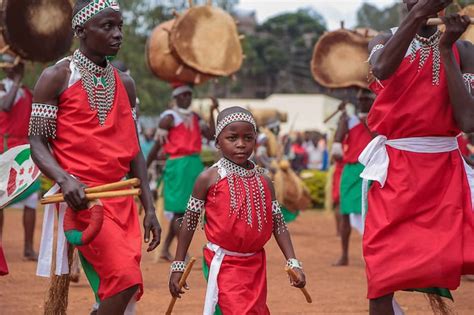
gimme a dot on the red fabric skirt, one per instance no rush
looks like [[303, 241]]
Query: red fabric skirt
[[419, 229], [3, 263], [242, 283]]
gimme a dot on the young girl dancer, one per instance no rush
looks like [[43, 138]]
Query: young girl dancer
[[241, 213]]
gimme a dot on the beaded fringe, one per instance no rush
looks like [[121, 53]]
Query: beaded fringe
[[42, 126]]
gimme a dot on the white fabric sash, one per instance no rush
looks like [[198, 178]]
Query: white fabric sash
[[47, 236], [212, 291], [375, 158]]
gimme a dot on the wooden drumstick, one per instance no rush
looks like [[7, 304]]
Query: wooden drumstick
[[134, 182], [294, 277], [99, 195], [438, 21], [182, 282]]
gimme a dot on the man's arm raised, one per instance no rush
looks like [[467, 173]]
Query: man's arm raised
[[387, 51], [459, 77], [50, 85]]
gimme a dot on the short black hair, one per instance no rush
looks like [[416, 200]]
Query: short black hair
[[80, 4], [232, 110]]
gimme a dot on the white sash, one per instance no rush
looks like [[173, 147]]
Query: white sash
[[375, 158], [212, 291], [47, 235]]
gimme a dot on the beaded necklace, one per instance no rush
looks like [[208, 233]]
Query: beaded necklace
[[246, 191], [99, 84], [428, 45]]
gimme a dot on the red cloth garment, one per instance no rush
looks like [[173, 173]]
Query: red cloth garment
[[419, 229], [242, 280], [183, 140], [3, 263], [463, 142], [336, 182], [355, 142], [98, 155], [14, 124]]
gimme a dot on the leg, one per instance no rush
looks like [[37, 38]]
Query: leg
[[29, 219], [172, 232], [337, 216], [117, 303], [345, 235], [382, 305]]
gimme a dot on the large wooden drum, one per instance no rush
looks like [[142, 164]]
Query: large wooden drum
[[469, 34], [36, 30], [206, 39], [162, 61], [340, 59]]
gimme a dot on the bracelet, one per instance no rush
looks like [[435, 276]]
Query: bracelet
[[294, 263], [177, 266]]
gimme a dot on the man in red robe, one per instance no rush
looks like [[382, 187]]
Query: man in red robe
[[83, 133], [15, 110], [419, 229]]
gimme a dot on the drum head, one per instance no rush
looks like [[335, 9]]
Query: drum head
[[340, 60], [37, 30], [206, 39], [163, 63], [469, 34]]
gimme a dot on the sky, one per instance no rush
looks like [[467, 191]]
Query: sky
[[333, 11]]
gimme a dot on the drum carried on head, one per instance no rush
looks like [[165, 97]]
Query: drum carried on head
[[197, 45], [340, 58], [35, 30]]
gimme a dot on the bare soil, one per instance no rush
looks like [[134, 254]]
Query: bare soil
[[335, 290]]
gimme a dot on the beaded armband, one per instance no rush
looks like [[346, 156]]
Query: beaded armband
[[279, 224], [374, 50], [193, 213], [177, 266], [43, 120], [294, 263], [469, 80], [134, 113]]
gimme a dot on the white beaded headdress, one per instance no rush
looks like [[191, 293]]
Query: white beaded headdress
[[92, 9], [235, 117]]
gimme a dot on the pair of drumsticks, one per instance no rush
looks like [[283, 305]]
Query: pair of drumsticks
[[103, 191], [187, 271]]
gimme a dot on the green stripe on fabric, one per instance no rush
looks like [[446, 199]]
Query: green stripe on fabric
[[23, 156], [205, 271], [28, 192], [91, 275], [74, 237], [438, 291]]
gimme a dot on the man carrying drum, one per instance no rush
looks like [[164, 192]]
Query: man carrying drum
[[82, 133], [15, 110], [419, 229]]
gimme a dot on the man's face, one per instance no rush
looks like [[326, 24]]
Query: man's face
[[103, 32], [183, 100]]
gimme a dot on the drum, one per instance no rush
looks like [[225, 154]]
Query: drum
[[469, 34], [206, 39], [36, 30], [340, 59], [163, 64]]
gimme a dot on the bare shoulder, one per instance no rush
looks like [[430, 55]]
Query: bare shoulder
[[204, 181], [129, 85], [52, 82], [270, 185], [466, 55]]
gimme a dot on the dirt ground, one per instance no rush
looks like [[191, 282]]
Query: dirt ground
[[335, 290]]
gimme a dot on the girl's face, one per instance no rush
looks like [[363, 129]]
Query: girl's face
[[237, 142]]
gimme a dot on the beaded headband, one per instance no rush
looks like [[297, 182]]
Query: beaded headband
[[239, 116], [92, 9]]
